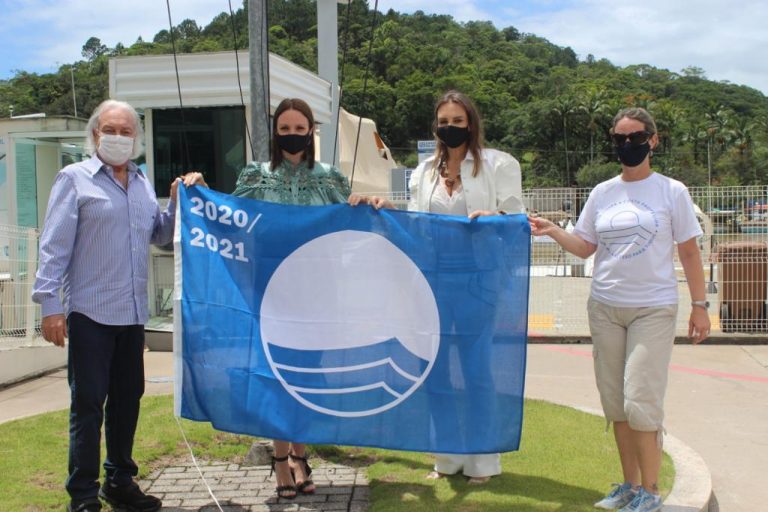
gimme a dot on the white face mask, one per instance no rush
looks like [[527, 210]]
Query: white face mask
[[115, 149]]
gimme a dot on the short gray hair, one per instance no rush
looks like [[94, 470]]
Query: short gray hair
[[637, 114], [93, 125]]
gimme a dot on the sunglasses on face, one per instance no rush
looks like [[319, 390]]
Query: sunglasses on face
[[634, 138]]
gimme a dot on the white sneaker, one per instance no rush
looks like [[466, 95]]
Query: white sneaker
[[644, 502], [621, 495]]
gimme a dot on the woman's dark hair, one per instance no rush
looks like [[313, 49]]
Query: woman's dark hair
[[475, 142], [300, 106]]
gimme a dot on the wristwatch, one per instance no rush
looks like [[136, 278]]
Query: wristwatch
[[700, 303]]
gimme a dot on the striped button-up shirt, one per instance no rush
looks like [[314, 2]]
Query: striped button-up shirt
[[94, 247]]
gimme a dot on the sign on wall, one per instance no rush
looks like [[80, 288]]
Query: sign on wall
[[4, 246], [426, 148], [26, 185]]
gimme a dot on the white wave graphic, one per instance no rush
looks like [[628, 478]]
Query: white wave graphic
[[626, 228], [355, 389], [351, 368]]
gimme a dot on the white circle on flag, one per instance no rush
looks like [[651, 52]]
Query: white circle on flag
[[349, 324]]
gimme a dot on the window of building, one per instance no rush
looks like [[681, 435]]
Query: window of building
[[215, 141]]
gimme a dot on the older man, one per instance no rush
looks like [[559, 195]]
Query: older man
[[94, 252]]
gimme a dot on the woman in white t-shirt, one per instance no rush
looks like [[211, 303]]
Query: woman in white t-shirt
[[632, 223], [461, 178]]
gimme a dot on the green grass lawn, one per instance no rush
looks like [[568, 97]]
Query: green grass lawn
[[566, 462]]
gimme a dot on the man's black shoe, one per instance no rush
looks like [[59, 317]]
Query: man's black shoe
[[87, 505], [129, 497]]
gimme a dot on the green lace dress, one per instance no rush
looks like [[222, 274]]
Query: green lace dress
[[289, 184]]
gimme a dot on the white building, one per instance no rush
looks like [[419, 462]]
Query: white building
[[32, 150]]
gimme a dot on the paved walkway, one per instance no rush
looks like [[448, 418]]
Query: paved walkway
[[250, 488]]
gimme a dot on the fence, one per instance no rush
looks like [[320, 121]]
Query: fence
[[19, 317], [738, 255], [734, 251]]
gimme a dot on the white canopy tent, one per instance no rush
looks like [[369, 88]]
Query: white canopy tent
[[373, 161]]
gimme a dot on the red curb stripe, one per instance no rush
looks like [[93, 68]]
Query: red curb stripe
[[713, 373], [677, 368], [571, 351]]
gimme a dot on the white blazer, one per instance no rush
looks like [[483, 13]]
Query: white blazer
[[497, 186]]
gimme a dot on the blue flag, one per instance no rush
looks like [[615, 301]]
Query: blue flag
[[342, 325]]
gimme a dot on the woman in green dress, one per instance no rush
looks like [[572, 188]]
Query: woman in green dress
[[292, 176]]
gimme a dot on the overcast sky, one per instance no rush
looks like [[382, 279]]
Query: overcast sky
[[728, 39]]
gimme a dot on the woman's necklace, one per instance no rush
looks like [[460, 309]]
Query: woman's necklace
[[449, 182]]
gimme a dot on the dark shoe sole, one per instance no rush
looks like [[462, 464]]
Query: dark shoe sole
[[90, 507], [119, 507], [286, 488], [302, 487]]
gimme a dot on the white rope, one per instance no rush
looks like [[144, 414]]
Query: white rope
[[194, 461]]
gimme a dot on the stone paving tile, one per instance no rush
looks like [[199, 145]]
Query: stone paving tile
[[250, 489], [358, 506]]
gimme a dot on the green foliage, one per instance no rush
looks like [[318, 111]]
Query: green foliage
[[536, 98], [93, 49], [592, 174]]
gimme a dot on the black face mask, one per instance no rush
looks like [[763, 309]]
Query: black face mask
[[632, 156], [293, 144], [453, 136]]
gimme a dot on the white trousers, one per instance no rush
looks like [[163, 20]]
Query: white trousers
[[473, 466]]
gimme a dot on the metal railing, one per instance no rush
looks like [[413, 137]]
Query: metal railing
[[19, 316], [733, 250]]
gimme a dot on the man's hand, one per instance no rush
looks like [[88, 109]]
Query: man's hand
[[55, 329], [191, 178]]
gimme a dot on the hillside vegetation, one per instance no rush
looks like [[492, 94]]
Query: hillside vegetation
[[541, 102]]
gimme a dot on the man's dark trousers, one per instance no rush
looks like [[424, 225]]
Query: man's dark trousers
[[106, 362]]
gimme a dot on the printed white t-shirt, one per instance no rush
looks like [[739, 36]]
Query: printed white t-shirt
[[634, 225]]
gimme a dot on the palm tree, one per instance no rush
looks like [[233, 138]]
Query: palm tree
[[565, 105], [741, 131], [718, 119], [716, 123], [696, 133], [594, 105], [668, 117]]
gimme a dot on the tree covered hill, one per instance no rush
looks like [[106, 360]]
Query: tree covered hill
[[538, 100]]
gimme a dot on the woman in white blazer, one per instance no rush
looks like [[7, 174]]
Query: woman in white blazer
[[461, 178]]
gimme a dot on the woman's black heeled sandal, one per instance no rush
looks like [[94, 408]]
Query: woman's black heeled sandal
[[307, 472], [283, 490]]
